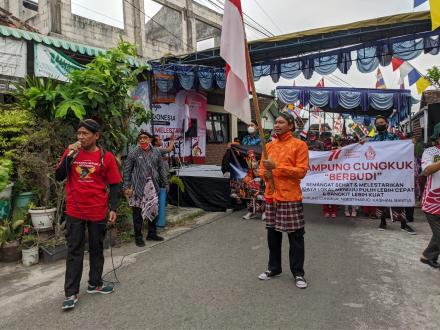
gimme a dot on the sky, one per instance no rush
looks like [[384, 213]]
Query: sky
[[286, 16]]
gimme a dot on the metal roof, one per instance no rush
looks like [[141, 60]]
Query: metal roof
[[298, 43]]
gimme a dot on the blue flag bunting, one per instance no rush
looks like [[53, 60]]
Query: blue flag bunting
[[419, 2]]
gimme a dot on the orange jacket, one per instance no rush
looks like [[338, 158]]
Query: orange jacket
[[291, 157]]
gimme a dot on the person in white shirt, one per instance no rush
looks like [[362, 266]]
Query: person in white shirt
[[431, 201]]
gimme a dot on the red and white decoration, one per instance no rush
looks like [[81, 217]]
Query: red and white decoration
[[233, 51]]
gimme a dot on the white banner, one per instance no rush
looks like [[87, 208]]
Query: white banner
[[52, 64], [12, 57], [373, 174]]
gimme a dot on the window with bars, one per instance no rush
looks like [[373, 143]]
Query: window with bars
[[217, 128]]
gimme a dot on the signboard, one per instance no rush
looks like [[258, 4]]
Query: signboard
[[169, 119], [373, 174], [12, 57], [52, 64]]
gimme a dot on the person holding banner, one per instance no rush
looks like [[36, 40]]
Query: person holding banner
[[287, 164], [431, 201], [396, 213]]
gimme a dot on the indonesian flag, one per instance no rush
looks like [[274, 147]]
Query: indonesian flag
[[313, 120], [233, 51]]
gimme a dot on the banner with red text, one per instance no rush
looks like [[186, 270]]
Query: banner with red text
[[372, 174]]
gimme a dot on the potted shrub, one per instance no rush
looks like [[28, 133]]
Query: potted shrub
[[29, 247], [10, 233]]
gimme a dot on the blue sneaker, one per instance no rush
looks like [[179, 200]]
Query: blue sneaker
[[105, 289], [69, 302]]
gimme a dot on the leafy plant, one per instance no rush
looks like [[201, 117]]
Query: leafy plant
[[433, 76], [11, 231], [13, 122], [5, 172], [29, 241], [102, 91], [178, 182]]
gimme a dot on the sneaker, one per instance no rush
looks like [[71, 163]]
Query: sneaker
[[249, 216], [354, 214], [347, 213], [383, 225], [432, 263], [327, 215], [300, 282], [154, 238], [69, 302], [409, 230], [267, 275], [263, 216], [333, 215], [139, 242], [105, 289]]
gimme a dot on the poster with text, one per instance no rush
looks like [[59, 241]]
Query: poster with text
[[372, 174]]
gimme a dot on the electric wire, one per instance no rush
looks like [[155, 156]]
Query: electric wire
[[264, 31], [268, 16]]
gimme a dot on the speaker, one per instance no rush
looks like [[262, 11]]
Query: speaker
[[192, 130]]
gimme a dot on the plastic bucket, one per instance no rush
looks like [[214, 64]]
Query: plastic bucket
[[161, 219], [30, 256], [24, 199]]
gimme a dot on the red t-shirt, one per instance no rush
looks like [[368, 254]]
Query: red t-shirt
[[86, 186]]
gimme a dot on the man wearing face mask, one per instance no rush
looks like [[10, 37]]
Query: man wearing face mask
[[144, 175], [398, 213], [252, 139]]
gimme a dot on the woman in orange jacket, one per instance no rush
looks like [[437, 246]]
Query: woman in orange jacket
[[287, 164]]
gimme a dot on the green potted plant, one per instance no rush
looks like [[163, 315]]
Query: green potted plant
[[29, 246], [10, 234]]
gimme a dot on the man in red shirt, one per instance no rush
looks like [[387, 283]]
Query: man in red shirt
[[88, 170]]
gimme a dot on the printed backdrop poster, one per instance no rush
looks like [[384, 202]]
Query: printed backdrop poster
[[169, 119], [372, 174]]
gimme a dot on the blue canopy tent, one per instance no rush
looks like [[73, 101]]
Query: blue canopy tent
[[358, 102]]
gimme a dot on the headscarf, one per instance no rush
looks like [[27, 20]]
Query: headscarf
[[90, 125]]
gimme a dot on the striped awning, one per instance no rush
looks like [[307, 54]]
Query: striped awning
[[64, 44]]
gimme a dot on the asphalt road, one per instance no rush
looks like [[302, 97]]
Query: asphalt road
[[359, 278]]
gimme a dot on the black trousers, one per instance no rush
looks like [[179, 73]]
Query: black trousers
[[296, 251], [76, 237], [433, 250], [138, 222], [409, 211]]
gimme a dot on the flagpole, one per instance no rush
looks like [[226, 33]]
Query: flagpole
[[257, 108]]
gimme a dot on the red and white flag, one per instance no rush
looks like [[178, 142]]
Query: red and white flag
[[233, 51]]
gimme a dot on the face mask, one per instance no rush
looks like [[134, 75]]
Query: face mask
[[381, 128], [251, 130], [144, 145]]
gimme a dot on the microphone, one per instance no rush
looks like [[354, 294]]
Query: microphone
[[74, 152]]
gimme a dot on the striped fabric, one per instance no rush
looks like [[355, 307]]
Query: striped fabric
[[431, 196], [140, 166], [398, 213]]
